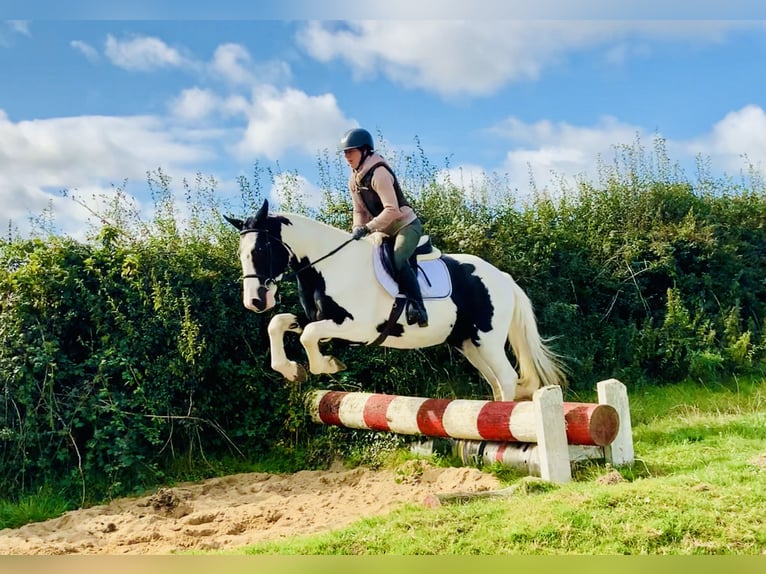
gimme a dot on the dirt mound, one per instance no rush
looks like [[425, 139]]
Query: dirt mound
[[241, 509]]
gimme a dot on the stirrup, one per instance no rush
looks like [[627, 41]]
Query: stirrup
[[416, 314]]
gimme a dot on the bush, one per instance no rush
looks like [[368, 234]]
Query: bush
[[128, 360]]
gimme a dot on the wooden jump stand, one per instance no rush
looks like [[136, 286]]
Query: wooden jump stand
[[552, 456]]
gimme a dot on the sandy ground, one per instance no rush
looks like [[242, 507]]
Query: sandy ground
[[224, 513]]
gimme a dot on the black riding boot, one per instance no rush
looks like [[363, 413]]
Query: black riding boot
[[416, 311]]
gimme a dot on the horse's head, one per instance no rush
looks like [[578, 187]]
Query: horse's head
[[263, 255]]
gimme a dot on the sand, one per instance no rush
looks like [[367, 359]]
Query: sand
[[233, 511]]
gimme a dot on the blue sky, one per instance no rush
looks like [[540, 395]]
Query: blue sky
[[86, 104]]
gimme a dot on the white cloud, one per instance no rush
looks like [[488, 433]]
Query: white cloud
[[291, 190], [20, 27], [31, 204], [450, 57], [233, 63], [230, 62], [477, 57], [280, 122], [9, 29], [551, 153], [740, 134], [548, 153], [105, 143], [40, 158], [474, 180], [271, 121], [142, 53], [549, 134], [195, 104], [86, 49], [528, 11]]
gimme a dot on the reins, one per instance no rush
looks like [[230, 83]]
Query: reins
[[294, 272], [312, 263]]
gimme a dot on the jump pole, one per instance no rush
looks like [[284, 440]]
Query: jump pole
[[501, 421], [541, 421], [526, 434]]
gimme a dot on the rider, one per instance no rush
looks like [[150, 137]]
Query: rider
[[380, 205]]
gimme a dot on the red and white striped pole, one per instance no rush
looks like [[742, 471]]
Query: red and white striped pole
[[500, 421]]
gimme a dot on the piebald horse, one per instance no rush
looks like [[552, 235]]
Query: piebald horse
[[477, 309]]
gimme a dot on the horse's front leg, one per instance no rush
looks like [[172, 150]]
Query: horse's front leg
[[312, 334], [278, 326]]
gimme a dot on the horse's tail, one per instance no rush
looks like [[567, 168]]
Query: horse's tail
[[538, 364]]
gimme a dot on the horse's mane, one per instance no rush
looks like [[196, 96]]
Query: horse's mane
[[303, 220]]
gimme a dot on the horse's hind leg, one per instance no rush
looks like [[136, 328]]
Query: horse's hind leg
[[494, 367], [278, 326]]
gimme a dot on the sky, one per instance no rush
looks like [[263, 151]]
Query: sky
[[90, 104]]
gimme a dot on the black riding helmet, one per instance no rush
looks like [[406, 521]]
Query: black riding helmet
[[356, 138]]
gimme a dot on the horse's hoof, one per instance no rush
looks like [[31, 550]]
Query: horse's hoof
[[328, 365], [293, 372], [301, 376], [337, 365]]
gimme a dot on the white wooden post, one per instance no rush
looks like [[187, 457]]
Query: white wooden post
[[552, 445], [620, 452]]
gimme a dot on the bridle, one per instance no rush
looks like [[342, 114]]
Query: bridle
[[265, 280], [271, 278]]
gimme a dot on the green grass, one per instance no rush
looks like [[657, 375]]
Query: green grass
[[698, 487], [32, 508]]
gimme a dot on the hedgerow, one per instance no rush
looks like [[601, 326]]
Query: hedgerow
[[127, 359]]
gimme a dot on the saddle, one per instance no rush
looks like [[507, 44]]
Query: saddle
[[426, 261], [430, 270]]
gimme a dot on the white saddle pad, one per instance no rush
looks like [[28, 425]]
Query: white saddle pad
[[433, 278]]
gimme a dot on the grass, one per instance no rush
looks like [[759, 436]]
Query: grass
[[32, 508], [698, 488]]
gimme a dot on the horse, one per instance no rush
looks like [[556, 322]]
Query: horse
[[343, 296]]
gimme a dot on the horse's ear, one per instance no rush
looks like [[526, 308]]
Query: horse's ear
[[238, 223], [263, 212]]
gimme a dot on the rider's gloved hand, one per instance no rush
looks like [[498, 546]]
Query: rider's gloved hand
[[360, 231]]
